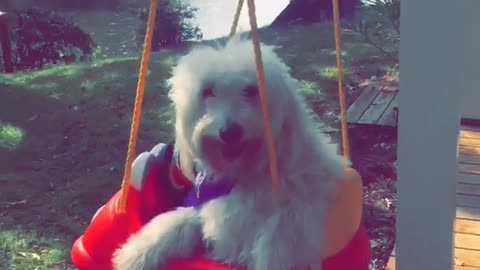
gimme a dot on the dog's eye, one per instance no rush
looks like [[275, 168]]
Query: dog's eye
[[251, 91], [208, 92]]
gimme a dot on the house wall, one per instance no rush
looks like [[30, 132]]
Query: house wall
[[431, 80]]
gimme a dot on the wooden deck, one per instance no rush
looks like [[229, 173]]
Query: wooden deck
[[374, 107], [467, 224]]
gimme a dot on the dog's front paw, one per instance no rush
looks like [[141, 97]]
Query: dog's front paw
[[129, 257], [174, 234]]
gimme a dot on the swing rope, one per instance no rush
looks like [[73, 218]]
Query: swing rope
[[263, 95], [261, 85], [137, 107], [236, 18], [341, 94]]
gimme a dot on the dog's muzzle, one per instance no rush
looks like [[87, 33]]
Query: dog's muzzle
[[231, 134], [232, 144], [234, 149]]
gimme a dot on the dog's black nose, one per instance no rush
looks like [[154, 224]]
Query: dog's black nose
[[231, 133]]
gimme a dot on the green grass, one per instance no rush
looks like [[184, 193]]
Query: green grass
[[64, 133], [27, 251], [10, 136]]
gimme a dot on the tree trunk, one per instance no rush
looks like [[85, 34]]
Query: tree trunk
[[5, 44]]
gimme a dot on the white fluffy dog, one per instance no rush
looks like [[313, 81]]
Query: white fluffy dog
[[219, 124]]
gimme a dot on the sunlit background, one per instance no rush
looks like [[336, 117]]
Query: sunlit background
[[214, 17]]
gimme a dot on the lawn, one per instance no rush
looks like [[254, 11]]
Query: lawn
[[64, 133]]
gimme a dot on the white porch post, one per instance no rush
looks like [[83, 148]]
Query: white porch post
[[470, 95], [430, 81]]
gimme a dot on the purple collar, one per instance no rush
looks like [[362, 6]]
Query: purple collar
[[206, 189]]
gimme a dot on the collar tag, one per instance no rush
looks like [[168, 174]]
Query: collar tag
[[198, 182]]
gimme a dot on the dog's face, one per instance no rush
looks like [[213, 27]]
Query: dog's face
[[218, 108]]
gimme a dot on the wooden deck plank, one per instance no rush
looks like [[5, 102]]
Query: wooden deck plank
[[467, 226], [471, 128], [377, 108], [468, 189], [469, 168], [468, 257], [467, 178], [460, 267], [468, 213], [467, 223], [469, 142], [468, 158], [391, 264], [470, 150], [356, 110], [388, 118], [470, 134], [468, 241], [392, 261], [468, 201]]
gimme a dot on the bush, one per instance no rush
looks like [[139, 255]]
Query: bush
[[172, 25], [63, 4], [40, 37]]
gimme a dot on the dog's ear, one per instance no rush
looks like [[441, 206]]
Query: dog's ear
[[292, 133], [186, 161], [187, 67]]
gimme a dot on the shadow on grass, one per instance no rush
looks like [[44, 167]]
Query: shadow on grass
[[75, 124]]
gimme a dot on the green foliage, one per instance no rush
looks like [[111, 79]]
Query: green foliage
[[21, 250], [41, 37], [391, 8], [173, 24], [10, 136], [97, 53], [382, 28]]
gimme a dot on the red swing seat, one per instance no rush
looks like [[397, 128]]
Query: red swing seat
[[109, 228]]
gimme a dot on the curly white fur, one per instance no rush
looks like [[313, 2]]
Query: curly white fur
[[251, 226]]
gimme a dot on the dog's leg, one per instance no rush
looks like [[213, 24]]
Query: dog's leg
[[175, 234], [290, 240]]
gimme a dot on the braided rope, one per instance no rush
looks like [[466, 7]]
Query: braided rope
[[236, 18], [263, 95], [137, 107], [341, 94]]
